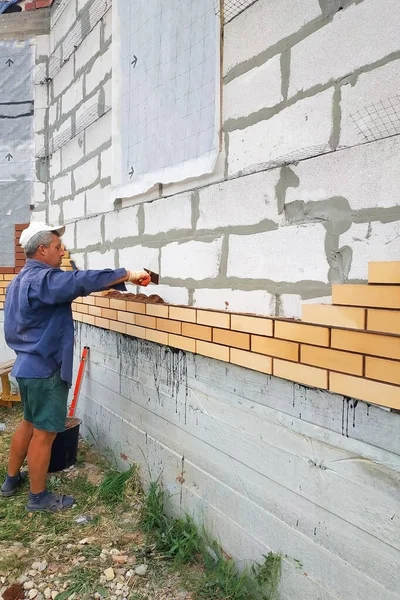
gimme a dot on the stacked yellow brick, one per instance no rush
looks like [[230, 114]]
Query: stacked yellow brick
[[351, 348]]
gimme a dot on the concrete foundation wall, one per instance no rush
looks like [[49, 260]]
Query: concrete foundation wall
[[264, 463]]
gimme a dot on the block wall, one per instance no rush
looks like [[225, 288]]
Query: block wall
[[309, 160]]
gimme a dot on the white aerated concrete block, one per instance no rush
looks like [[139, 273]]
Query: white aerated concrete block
[[367, 176], [86, 174], [290, 305], [39, 190], [369, 106], [79, 259], [191, 260], [288, 254], [256, 89], [89, 107], [72, 152], [99, 200], [89, 48], [54, 214], [68, 239], [106, 162], [101, 68], [55, 164], [241, 201], [371, 242], [170, 294], [62, 187], [88, 232], [121, 224], [136, 258], [263, 25], [107, 24], [73, 96], [167, 214], [63, 24], [63, 78], [295, 133], [258, 302], [100, 261], [75, 208], [360, 35], [98, 134]]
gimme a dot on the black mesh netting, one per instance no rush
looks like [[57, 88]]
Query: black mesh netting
[[232, 8]]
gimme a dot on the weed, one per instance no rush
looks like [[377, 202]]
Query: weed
[[81, 583], [112, 489], [180, 540]]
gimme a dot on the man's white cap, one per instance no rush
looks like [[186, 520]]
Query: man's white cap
[[35, 228]]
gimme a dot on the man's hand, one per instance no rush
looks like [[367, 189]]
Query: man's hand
[[139, 278]]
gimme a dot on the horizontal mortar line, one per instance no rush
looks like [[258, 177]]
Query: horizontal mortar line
[[297, 160], [295, 492], [16, 103], [28, 114]]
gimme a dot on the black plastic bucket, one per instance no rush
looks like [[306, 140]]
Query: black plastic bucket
[[65, 447]]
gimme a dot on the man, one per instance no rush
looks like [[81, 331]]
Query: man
[[38, 326]]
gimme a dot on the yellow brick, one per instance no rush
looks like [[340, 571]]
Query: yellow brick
[[298, 332], [301, 373], [334, 360], [382, 370], [117, 304], [251, 360], [82, 308], [366, 343], [89, 300], [212, 350], [214, 319], [374, 296], [139, 332], [157, 310], [89, 319], [334, 316], [231, 338], [169, 326], [145, 321], [1, 304], [273, 347], [126, 317], [136, 307], [102, 302], [77, 316], [109, 313], [1, 277], [95, 310], [104, 323], [182, 314], [384, 272], [159, 337], [200, 332], [252, 325], [8, 277], [183, 343], [385, 321], [117, 326], [365, 389]]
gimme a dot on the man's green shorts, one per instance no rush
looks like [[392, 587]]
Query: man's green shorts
[[44, 402]]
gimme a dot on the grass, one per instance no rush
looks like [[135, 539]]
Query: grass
[[220, 579], [178, 554]]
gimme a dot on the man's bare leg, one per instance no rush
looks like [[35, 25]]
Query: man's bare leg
[[39, 453], [19, 447]]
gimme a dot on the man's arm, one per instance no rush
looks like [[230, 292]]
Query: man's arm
[[58, 287]]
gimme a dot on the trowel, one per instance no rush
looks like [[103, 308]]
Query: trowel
[[154, 277]]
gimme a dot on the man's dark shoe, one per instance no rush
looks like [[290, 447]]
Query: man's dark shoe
[[11, 484]]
